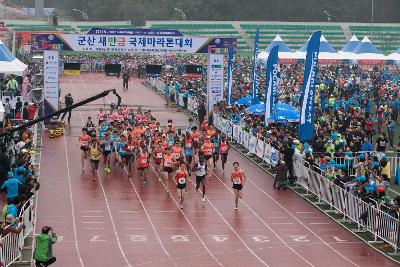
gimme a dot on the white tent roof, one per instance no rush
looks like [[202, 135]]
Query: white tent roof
[[9, 64]]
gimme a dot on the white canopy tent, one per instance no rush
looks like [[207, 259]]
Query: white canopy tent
[[9, 64], [284, 51], [395, 56], [326, 51], [367, 51]]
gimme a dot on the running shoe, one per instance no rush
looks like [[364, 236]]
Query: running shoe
[[159, 179], [204, 199], [181, 207], [167, 190], [94, 179], [105, 168], [236, 207], [108, 169], [83, 170]]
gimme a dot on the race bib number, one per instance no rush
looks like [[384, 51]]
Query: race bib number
[[182, 180], [159, 155], [107, 147], [382, 143], [176, 156], [168, 163], [189, 145], [131, 147], [144, 160], [84, 143], [236, 181]]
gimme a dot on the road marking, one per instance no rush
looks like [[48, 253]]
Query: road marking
[[151, 222], [305, 212], [260, 238], [128, 211], [104, 194], [338, 239], [134, 228], [220, 238], [299, 221], [92, 216], [266, 225], [180, 238], [277, 217], [96, 238], [95, 228], [299, 238], [190, 224], [91, 211], [318, 223], [283, 223], [137, 238], [93, 222], [72, 205], [162, 211], [166, 228]]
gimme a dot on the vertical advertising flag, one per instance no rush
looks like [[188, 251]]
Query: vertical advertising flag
[[271, 83], [215, 80], [306, 128], [255, 57], [230, 74]]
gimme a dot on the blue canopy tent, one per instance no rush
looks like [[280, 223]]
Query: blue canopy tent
[[351, 45], [244, 101], [366, 50], [283, 112], [278, 41], [324, 47]]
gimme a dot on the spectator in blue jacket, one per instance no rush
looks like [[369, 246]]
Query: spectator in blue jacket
[[12, 186]]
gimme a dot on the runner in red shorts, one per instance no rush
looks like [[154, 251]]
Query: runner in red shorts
[[238, 179], [84, 141], [143, 164], [181, 176]]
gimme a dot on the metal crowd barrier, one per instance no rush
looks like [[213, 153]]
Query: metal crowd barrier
[[12, 244], [368, 216]]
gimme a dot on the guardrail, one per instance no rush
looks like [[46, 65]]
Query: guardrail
[[368, 216], [12, 244]]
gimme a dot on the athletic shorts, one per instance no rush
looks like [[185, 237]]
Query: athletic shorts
[[168, 169], [85, 148], [106, 153], [181, 186], [95, 161], [207, 157], [237, 186], [189, 159], [122, 156], [224, 157], [199, 179], [129, 157], [157, 161], [142, 168]]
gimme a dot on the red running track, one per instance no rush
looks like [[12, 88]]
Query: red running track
[[116, 222]]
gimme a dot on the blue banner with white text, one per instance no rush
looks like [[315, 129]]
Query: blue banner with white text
[[306, 128], [255, 57], [271, 83], [230, 73]]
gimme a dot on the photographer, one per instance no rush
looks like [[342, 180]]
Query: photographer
[[43, 253]]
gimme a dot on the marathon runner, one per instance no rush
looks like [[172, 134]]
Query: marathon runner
[[84, 141], [181, 176], [143, 164], [238, 179], [167, 164], [223, 150], [95, 153], [129, 154], [200, 168]]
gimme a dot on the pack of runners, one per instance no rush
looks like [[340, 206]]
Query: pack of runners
[[126, 137]]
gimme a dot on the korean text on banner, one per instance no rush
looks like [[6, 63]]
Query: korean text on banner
[[271, 83], [230, 73], [51, 89], [255, 59], [215, 80], [129, 43], [306, 129]]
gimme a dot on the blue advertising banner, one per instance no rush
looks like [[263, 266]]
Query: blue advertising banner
[[306, 129], [255, 57], [230, 73], [271, 83], [130, 43], [152, 32]]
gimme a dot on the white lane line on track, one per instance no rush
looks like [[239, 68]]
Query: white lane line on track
[[151, 223], [265, 224], [91, 211], [105, 197], [188, 221], [72, 204], [232, 229], [95, 228], [92, 216], [298, 220], [93, 222]]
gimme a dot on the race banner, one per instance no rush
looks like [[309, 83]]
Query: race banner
[[215, 80], [260, 148], [129, 43], [50, 88], [252, 144], [255, 58], [306, 129], [151, 32], [271, 83], [230, 73]]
